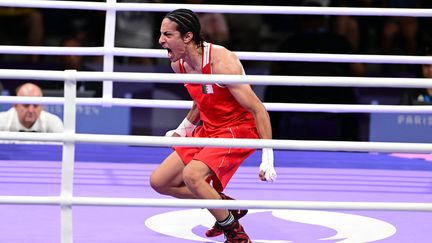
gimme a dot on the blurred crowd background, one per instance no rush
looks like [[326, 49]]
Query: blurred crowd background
[[238, 32]]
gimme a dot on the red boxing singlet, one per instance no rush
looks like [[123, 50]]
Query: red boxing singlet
[[222, 117], [218, 108]]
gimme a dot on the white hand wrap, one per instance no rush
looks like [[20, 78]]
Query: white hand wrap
[[267, 166], [185, 127]]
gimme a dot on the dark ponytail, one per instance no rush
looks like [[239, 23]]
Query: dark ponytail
[[187, 21]]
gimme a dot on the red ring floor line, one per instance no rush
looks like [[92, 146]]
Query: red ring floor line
[[123, 171]]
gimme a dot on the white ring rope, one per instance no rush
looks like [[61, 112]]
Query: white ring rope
[[253, 56], [185, 104], [240, 9], [221, 79], [283, 80], [195, 203], [161, 141]]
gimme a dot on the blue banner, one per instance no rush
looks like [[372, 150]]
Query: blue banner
[[402, 127]]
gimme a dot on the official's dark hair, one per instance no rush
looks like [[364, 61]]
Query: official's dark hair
[[187, 21]]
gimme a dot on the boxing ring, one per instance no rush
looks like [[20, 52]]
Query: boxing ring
[[74, 187]]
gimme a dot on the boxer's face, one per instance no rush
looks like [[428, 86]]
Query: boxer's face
[[171, 40]]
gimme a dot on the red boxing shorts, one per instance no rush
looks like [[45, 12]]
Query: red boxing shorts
[[224, 162]]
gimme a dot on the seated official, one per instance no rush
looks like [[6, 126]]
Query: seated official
[[29, 117]]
